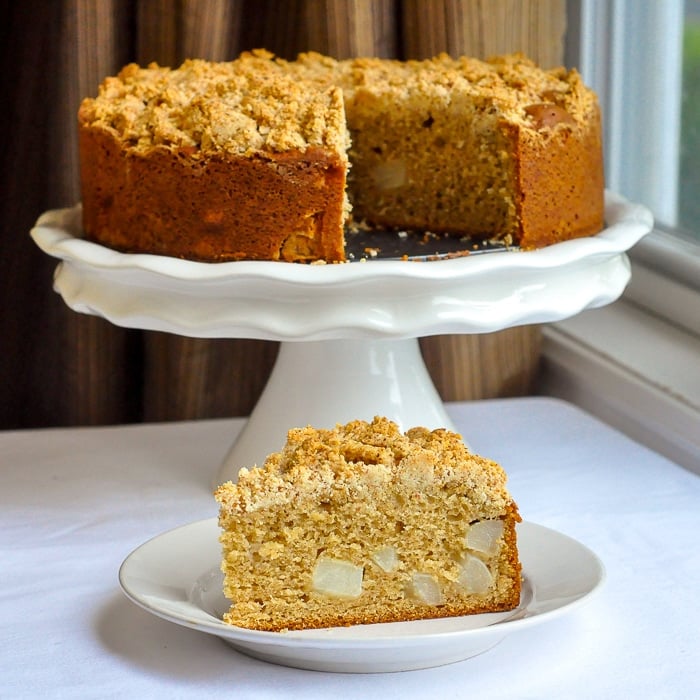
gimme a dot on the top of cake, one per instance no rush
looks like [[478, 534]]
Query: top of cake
[[232, 106], [513, 85], [259, 102], [362, 458]]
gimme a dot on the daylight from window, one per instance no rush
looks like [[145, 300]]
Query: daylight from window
[[689, 194], [689, 186]]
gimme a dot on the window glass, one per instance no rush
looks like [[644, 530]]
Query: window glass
[[689, 184]]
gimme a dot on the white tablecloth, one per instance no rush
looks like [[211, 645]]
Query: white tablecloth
[[75, 502]]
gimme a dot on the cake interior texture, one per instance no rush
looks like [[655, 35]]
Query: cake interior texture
[[496, 149], [262, 158], [365, 524]]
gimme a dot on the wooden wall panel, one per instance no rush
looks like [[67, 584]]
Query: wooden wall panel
[[482, 29], [57, 367], [347, 28]]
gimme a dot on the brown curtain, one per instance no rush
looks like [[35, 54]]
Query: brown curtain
[[58, 367]]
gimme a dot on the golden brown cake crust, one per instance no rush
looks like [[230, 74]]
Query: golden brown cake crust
[[560, 182], [399, 508], [167, 203], [213, 162], [249, 159]]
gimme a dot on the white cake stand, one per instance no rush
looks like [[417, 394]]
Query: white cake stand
[[349, 333]]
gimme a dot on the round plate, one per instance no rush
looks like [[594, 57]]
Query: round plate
[[176, 576], [376, 299]]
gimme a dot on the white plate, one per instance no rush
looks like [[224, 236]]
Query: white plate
[[176, 576]]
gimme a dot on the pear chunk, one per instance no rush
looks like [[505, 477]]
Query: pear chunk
[[390, 175], [484, 536], [475, 576], [337, 578], [424, 588], [386, 558]]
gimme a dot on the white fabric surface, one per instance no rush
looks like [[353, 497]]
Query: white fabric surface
[[75, 502]]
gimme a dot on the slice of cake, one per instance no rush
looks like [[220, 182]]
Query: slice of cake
[[215, 162], [365, 524]]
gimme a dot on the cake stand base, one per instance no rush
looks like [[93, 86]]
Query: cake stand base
[[325, 382]]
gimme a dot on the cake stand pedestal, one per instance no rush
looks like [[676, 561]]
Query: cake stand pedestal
[[349, 332], [324, 382]]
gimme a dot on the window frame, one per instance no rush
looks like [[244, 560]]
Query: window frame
[[622, 52], [636, 363]]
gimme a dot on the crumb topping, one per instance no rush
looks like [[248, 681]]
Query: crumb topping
[[358, 457], [508, 84], [235, 107], [258, 102]]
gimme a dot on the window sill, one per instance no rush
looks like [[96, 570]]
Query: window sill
[[633, 370]]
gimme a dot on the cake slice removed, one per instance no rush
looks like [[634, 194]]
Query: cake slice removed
[[365, 524]]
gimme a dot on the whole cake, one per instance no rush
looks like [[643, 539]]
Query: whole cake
[[365, 524], [262, 158]]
